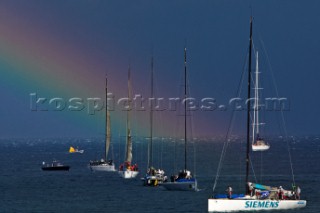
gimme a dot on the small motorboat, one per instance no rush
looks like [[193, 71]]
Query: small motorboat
[[54, 166]]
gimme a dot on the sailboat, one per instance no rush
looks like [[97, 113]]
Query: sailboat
[[75, 150], [184, 181], [104, 164], [154, 176], [258, 143], [127, 170], [257, 196]]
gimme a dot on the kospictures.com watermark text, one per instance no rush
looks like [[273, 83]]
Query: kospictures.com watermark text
[[94, 104]]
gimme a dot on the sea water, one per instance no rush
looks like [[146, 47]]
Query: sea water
[[26, 188]]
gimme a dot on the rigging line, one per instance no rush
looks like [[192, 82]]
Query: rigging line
[[250, 159], [282, 115], [240, 166], [194, 143], [288, 147], [177, 126], [112, 148], [159, 116], [191, 122], [261, 160], [185, 109], [254, 174], [119, 148], [158, 153], [161, 135], [176, 136], [159, 148], [150, 148], [161, 151], [174, 155], [230, 127], [192, 140], [112, 151]]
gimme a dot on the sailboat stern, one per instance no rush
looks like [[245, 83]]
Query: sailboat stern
[[262, 147], [103, 167], [128, 174], [181, 185]]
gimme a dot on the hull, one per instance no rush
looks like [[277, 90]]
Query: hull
[[152, 180], [181, 186], [103, 168], [128, 174], [232, 205], [260, 147], [56, 168]]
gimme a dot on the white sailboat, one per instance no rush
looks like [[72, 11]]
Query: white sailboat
[[153, 176], [127, 170], [105, 165], [257, 196], [184, 181], [258, 143]]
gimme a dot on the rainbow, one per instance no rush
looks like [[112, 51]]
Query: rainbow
[[33, 61]]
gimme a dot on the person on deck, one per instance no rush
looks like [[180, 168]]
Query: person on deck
[[229, 192], [251, 189], [280, 191], [172, 178], [298, 191]]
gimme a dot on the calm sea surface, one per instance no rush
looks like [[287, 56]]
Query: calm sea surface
[[26, 188]]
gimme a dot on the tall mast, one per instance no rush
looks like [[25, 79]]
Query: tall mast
[[129, 142], [248, 111], [185, 108], [107, 134], [257, 93], [151, 119], [255, 123]]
